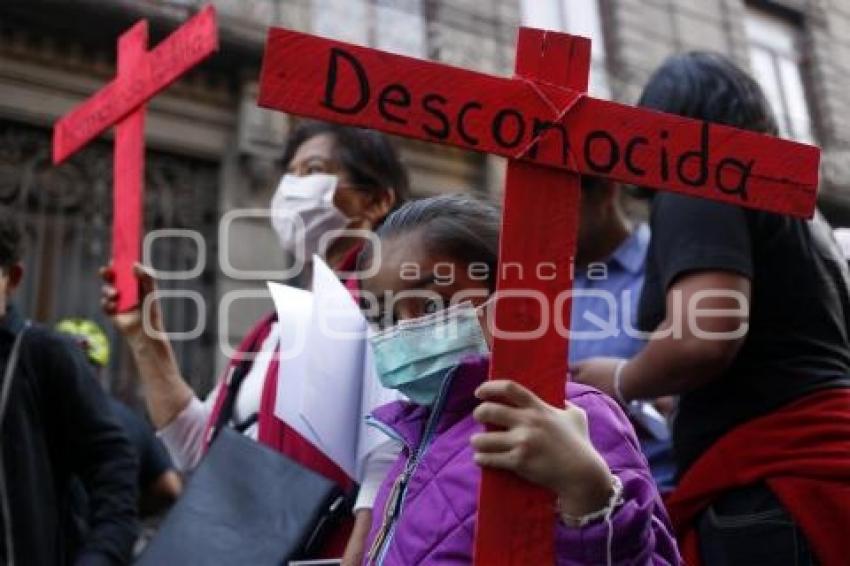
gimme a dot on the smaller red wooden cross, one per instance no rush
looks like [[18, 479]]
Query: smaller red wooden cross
[[551, 132], [121, 103]]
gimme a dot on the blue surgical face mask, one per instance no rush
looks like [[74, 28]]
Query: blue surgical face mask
[[415, 355]]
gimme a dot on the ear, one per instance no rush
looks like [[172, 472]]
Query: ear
[[16, 274], [380, 203]]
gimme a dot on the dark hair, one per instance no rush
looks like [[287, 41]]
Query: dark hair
[[708, 86], [368, 156], [11, 238], [593, 188], [459, 226]]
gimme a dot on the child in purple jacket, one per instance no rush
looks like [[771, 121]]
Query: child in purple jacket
[[442, 252]]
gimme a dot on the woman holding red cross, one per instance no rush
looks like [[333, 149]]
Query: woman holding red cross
[[337, 179], [433, 348]]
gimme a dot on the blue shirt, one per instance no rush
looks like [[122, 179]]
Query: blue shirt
[[605, 300], [604, 323]]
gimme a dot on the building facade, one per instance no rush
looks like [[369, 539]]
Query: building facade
[[211, 151], [799, 50]]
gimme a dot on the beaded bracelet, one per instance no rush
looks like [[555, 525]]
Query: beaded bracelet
[[614, 501], [618, 377]]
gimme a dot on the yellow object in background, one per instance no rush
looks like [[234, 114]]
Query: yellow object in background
[[91, 336]]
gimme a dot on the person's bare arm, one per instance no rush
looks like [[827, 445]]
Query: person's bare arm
[[161, 494], [705, 326], [355, 550], [168, 486], [166, 392], [709, 341]]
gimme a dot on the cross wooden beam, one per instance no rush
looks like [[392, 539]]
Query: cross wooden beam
[[551, 132], [552, 197], [121, 103]]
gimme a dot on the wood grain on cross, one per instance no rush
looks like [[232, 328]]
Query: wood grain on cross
[[121, 103], [552, 197], [551, 132]]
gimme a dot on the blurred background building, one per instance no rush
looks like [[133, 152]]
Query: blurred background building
[[211, 150]]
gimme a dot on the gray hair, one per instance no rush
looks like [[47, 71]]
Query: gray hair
[[459, 226]]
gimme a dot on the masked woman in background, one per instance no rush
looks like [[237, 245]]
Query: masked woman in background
[[336, 178]]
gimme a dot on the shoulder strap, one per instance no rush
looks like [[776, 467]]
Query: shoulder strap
[[8, 376], [233, 381], [9, 373]]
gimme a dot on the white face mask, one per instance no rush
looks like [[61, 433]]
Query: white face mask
[[310, 200]]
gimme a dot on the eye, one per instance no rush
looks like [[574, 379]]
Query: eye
[[315, 168], [430, 306]]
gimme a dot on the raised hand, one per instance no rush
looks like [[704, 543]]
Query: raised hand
[[131, 323], [166, 392]]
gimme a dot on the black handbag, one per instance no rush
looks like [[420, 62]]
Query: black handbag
[[246, 504]]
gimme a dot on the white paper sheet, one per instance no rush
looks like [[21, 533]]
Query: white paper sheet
[[294, 311], [327, 382], [330, 402]]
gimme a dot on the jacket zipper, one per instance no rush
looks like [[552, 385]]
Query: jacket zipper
[[392, 509], [390, 512]]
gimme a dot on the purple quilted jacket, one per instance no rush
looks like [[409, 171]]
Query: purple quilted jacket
[[433, 519]]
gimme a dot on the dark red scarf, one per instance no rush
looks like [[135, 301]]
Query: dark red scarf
[[802, 453]]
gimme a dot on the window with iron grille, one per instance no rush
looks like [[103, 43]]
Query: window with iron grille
[[67, 216], [391, 25], [776, 63]]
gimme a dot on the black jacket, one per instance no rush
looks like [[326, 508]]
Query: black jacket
[[58, 426]]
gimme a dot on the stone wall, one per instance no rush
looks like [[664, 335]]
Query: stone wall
[[641, 33]]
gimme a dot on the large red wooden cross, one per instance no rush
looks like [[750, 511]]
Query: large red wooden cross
[[552, 133], [141, 75]]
